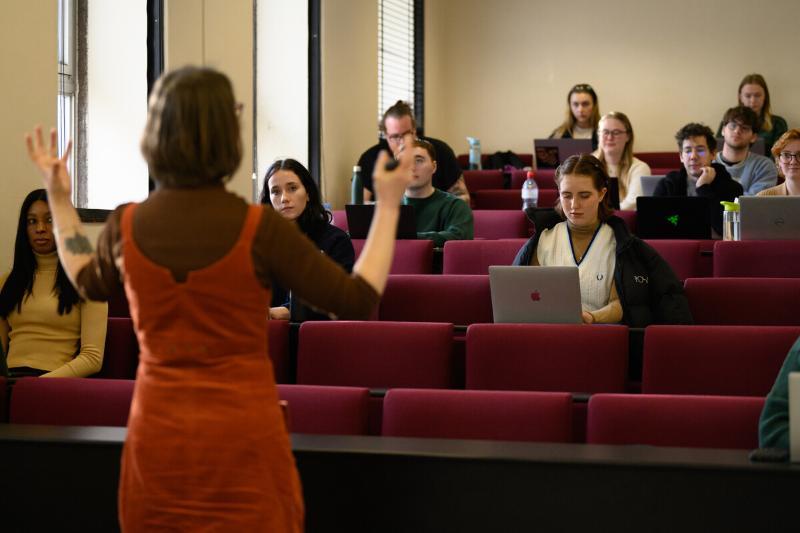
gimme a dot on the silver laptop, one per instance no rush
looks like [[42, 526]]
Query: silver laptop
[[544, 295], [770, 217], [649, 184]]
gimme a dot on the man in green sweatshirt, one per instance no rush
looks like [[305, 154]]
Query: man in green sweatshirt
[[440, 216], [773, 428]]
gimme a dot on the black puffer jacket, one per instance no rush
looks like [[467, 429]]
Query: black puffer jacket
[[648, 289]]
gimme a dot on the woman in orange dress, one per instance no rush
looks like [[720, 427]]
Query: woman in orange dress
[[206, 448]]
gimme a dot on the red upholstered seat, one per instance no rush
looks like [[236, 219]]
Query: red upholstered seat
[[3, 399], [547, 357], [545, 178], [688, 421], [720, 360], [630, 219], [477, 180], [278, 338], [378, 355], [71, 401], [670, 160], [457, 299], [510, 198], [501, 224], [688, 258], [121, 353], [495, 415], [746, 301], [475, 257], [340, 219], [410, 256], [326, 410], [764, 259]]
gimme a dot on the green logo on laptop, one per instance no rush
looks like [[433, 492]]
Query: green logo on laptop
[[673, 220]]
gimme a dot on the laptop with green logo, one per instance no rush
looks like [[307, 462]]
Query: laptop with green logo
[[673, 217]]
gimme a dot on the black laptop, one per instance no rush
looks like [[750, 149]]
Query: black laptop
[[673, 217], [613, 192], [359, 217]]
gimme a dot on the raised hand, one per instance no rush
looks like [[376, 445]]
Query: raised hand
[[57, 180]]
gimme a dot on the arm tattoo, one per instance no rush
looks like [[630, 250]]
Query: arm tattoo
[[78, 244]]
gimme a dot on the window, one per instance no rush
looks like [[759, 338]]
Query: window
[[400, 60], [65, 105]]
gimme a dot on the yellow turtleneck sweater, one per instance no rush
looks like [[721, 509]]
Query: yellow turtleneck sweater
[[68, 345]]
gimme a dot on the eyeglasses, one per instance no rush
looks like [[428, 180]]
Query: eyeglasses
[[786, 157], [744, 128], [612, 133], [397, 137]]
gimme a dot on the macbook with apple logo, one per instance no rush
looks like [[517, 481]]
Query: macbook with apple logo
[[538, 294]]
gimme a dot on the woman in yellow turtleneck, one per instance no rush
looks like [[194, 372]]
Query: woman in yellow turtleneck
[[622, 278], [45, 328]]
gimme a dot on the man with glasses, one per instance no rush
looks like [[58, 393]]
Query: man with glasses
[[397, 121], [755, 172], [699, 175]]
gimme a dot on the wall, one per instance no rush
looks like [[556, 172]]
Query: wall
[[28, 61], [501, 70], [349, 37], [218, 34]]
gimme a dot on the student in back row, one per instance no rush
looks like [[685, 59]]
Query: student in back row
[[622, 278], [616, 154], [700, 175], [398, 121], [755, 172], [583, 115], [787, 156]]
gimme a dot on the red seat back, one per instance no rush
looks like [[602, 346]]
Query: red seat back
[[547, 357], [457, 299], [477, 180], [71, 401], [510, 198], [340, 219], [721, 360], [410, 256], [746, 301], [501, 224], [630, 219], [475, 257], [545, 178], [688, 258], [326, 410], [278, 337], [763, 259], [686, 421], [458, 414], [669, 160], [377, 355], [121, 353]]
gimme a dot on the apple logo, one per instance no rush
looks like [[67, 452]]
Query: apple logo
[[536, 296]]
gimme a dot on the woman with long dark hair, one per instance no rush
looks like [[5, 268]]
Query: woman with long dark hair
[[45, 328], [290, 190], [207, 447]]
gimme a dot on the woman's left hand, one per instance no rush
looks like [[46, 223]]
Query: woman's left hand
[[588, 318], [54, 169]]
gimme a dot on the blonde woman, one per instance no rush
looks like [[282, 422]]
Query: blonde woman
[[615, 151], [753, 93]]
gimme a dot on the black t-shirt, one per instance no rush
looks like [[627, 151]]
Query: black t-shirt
[[447, 169]]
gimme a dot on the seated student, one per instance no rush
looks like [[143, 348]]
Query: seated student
[[440, 216], [773, 427], [786, 152], [396, 122], [616, 153], [45, 328], [755, 172], [699, 176], [753, 93], [290, 190], [583, 115], [622, 278]]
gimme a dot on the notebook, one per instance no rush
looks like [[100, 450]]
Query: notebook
[[673, 217], [769, 217], [359, 217], [649, 184], [544, 295], [549, 153]]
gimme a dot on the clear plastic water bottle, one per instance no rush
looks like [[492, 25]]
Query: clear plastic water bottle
[[356, 187], [530, 192], [731, 221], [474, 153]]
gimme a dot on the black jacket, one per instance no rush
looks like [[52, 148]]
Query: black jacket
[[648, 289], [724, 187]]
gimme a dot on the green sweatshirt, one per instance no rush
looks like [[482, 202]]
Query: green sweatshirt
[[773, 428], [442, 217]]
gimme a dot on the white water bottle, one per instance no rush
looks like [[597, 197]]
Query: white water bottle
[[530, 192], [474, 153]]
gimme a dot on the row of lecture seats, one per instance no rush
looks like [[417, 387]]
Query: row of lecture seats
[[670, 160], [661, 420], [720, 360]]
